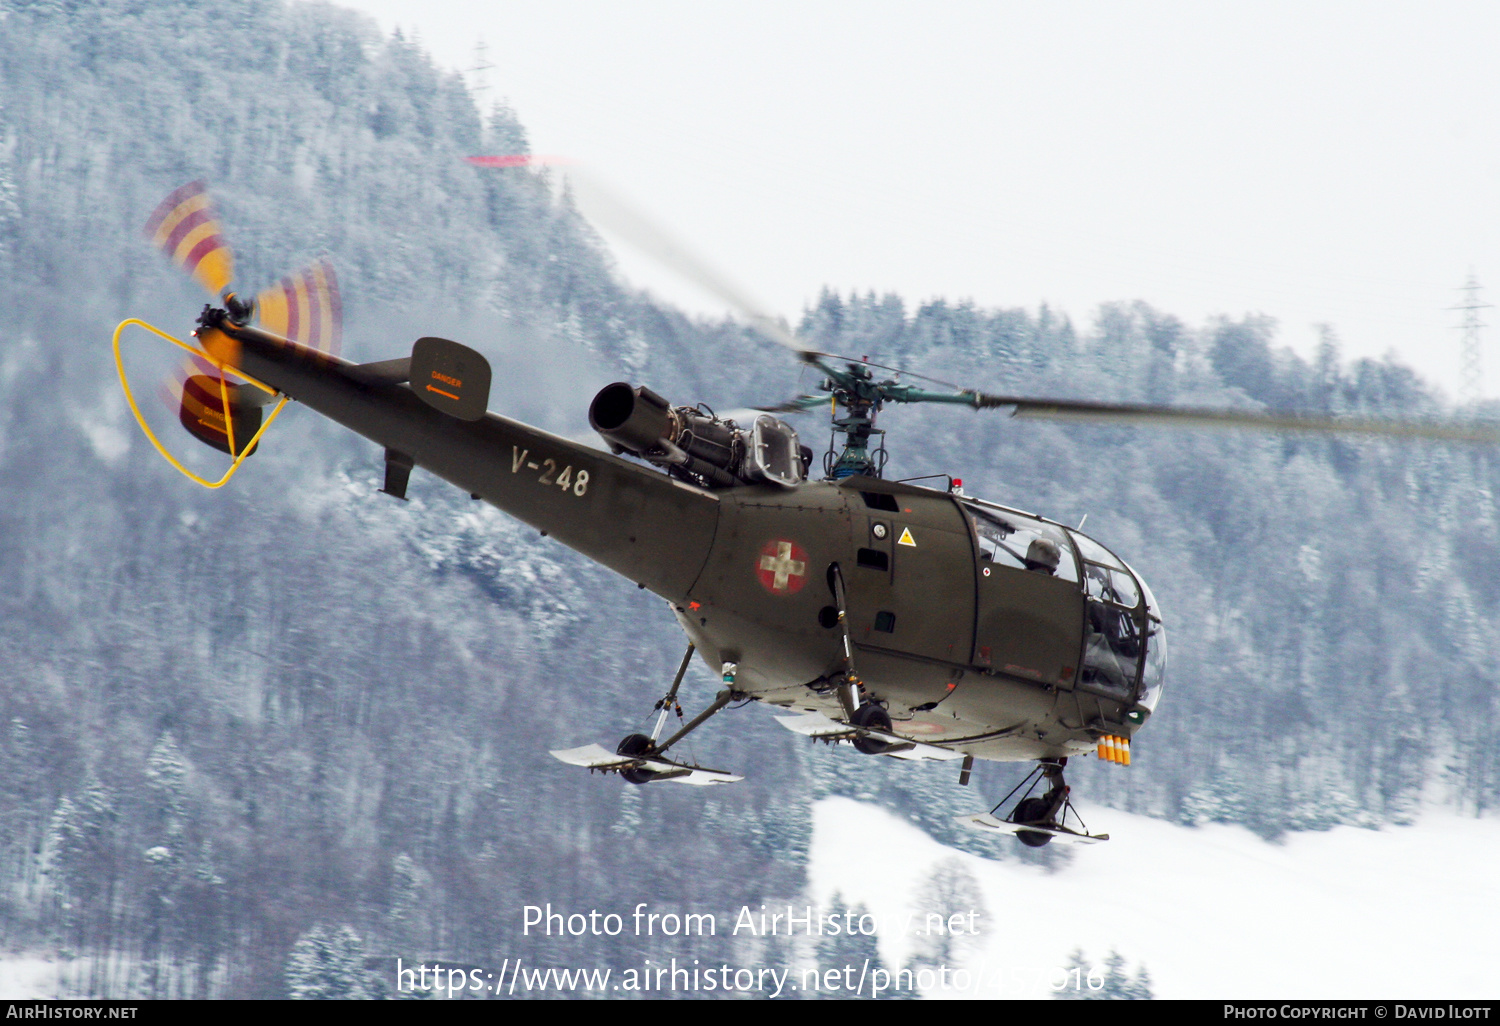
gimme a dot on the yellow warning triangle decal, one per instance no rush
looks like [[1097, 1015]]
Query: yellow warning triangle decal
[[906, 538]]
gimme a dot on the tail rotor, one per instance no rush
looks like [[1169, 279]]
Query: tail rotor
[[186, 228], [305, 308]]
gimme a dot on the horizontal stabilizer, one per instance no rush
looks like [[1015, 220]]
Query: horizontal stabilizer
[[986, 823], [391, 372], [819, 726], [597, 757]]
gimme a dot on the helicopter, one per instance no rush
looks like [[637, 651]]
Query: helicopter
[[907, 620]]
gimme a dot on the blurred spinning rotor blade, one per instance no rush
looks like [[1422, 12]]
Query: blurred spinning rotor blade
[[305, 308], [196, 394], [186, 228], [170, 388], [800, 404], [609, 212], [1178, 416]]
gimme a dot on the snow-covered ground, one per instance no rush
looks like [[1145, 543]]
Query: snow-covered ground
[[1212, 912], [25, 977]]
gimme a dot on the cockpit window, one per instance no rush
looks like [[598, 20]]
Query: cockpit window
[[1111, 649], [1119, 630], [1154, 673], [1096, 553], [1153, 608], [1107, 585], [1010, 539]]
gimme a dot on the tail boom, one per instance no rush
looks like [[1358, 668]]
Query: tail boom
[[638, 522]]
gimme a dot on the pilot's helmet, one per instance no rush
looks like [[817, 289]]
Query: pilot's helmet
[[1044, 555]]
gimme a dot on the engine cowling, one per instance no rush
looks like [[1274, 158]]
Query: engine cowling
[[696, 446]]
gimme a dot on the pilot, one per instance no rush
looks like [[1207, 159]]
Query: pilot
[[1043, 555]]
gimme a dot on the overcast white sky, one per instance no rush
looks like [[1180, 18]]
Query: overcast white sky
[[1317, 162]]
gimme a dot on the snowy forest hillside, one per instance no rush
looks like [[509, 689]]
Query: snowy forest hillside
[[238, 729]]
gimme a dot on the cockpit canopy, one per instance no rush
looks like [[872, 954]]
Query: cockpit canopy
[[1124, 652], [1124, 642]]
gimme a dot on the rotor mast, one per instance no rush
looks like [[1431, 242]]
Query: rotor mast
[[857, 398]]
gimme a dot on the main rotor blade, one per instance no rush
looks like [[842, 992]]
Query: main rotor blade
[[801, 404], [613, 214], [606, 209], [1178, 416]]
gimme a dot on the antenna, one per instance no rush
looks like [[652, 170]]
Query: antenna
[[1471, 367]]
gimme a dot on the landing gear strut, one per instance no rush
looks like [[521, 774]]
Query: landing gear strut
[[864, 715], [1047, 810], [642, 745], [1037, 819], [640, 758]]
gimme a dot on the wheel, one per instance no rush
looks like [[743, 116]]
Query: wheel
[[872, 717], [636, 744], [1032, 810]]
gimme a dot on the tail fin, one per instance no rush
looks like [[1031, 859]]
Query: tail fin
[[203, 413]]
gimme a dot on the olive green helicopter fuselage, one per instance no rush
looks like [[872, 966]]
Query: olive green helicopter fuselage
[[979, 629]]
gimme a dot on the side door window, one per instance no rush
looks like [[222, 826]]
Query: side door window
[[1029, 604]]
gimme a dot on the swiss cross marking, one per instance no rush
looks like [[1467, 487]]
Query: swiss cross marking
[[782, 567]]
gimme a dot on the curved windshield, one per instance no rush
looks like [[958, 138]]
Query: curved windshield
[[1096, 553], [1154, 673], [1112, 646], [1116, 624], [1107, 585], [1025, 543]]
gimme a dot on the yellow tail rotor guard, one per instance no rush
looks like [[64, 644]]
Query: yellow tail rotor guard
[[223, 394]]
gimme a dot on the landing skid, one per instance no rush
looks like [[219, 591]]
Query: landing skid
[[816, 725], [652, 768], [987, 823]]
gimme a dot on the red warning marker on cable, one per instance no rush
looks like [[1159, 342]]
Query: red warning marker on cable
[[516, 160]]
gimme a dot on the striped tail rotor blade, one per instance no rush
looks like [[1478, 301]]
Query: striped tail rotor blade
[[186, 228], [278, 311], [331, 306], [516, 160], [171, 388], [305, 308]]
